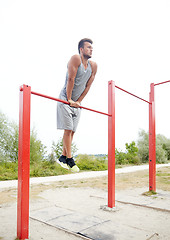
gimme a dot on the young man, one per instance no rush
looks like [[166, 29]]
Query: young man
[[79, 78]]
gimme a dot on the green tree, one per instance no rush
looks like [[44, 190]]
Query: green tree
[[162, 147], [120, 157], [165, 144], [9, 142], [130, 156], [143, 146], [4, 135], [8, 139], [131, 153], [13, 143], [37, 149]]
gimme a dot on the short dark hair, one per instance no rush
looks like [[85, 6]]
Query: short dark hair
[[82, 41]]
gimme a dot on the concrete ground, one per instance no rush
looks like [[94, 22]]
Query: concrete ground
[[82, 213]]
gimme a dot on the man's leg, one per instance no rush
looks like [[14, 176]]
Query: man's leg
[[67, 141]]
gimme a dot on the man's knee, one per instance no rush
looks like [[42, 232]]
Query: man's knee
[[68, 132]]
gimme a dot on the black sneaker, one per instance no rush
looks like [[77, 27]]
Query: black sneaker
[[72, 165], [63, 162]]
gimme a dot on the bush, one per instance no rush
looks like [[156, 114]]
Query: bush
[[129, 157], [131, 153], [120, 157], [46, 168], [8, 171], [86, 162]]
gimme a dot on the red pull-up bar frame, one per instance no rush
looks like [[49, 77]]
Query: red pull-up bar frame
[[24, 153], [60, 100], [24, 149], [152, 137]]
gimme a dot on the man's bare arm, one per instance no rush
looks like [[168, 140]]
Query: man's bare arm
[[89, 83], [72, 71]]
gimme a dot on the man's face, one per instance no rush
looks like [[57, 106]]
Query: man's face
[[87, 50]]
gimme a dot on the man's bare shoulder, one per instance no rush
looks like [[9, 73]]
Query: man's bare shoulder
[[93, 65], [75, 60]]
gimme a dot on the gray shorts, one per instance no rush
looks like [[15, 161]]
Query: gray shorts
[[67, 117]]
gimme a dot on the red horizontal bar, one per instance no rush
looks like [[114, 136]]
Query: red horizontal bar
[[132, 94], [161, 83], [60, 100], [52, 98]]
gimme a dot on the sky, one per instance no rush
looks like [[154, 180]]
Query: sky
[[131, 47]]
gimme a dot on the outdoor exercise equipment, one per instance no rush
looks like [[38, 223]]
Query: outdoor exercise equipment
[[24, 149]]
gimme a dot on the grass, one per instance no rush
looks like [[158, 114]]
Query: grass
[[9, 170], [149, 193], [123, 181], [91, 163], [43, 169]]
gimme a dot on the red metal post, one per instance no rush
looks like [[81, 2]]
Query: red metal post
[[111, 144], [152, 141], [23, 163]]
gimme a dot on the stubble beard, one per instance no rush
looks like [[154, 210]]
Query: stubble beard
[[86, 56]]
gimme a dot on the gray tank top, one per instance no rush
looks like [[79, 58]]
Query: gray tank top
[[80, 82]]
